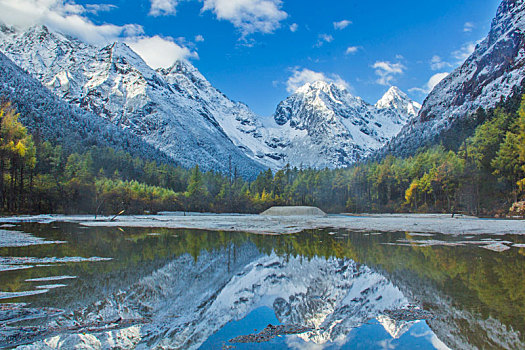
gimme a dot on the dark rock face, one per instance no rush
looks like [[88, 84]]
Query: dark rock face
[[493, 71]]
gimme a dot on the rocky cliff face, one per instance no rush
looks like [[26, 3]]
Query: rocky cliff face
[[494, 71]]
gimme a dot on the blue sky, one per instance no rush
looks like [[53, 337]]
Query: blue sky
[[257, 51]]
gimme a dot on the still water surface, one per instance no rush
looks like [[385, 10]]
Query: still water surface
[[190, 289]]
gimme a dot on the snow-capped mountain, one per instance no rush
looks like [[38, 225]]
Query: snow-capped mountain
[[179, 112], [323, 125], [176, 110], [399, 101], [494, 71], [236, 119], [42, 111]]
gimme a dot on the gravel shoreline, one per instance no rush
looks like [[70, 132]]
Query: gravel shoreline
[[433, 223]]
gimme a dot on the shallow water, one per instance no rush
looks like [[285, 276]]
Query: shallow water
[[162, 288]]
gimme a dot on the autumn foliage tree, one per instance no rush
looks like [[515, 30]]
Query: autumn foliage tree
[[17, 160]]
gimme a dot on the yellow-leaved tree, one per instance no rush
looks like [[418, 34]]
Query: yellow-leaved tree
[[17, 159]]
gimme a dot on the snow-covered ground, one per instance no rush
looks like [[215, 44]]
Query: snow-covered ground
[[428, 223]]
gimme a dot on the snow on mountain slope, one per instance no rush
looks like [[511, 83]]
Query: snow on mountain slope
[[239, 123], [178, 114], [323, 125], [398, 100], [494, 71], [51, 118]]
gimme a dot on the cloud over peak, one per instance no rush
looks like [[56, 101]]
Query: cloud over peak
[[64, 16], [431, 84], [149, 47], [71, 18]]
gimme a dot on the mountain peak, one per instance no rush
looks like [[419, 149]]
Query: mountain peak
[[119, 48], [320, 85], [397, 99], [393, 94], [394, 90], [185, 68], [336, 127], [179, 115]]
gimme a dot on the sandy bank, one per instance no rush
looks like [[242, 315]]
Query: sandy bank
[[434, 223]]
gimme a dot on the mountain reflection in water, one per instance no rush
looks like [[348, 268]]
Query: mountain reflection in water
[[195, 289]]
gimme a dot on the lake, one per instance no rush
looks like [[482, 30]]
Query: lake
[[112, 287]]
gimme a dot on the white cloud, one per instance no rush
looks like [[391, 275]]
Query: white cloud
[[436, 63], [324, 38], [387, 71], [70, 18], [64, 16], [436, 79], [97, 8], [386, 344], [199, 38], [303, 76], [464, 52], [342, 24], [468, 26], [431, 83], [163, 7], [149, 48], [351, 50], [294, 27], [249, 16]]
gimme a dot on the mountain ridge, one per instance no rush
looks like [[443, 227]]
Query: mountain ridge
[[114, 83], [495, 70], [179, 112], [78, 130]]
